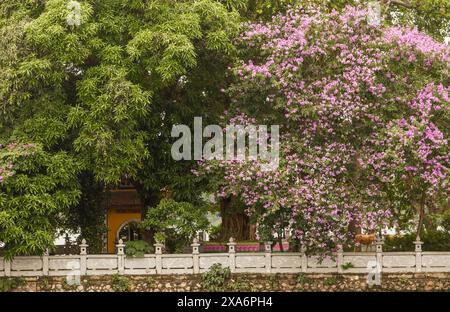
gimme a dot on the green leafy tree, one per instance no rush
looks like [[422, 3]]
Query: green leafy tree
[[88, 217], [178, 221], [95, 82], [107, 91], [35, 193]]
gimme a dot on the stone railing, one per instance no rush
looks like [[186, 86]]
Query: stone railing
[[252, 262]]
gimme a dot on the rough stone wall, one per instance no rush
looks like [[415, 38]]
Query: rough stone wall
[[243, 282]]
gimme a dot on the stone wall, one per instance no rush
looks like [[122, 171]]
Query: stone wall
[[242, 282]]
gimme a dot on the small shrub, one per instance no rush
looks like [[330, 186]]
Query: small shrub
[[433, 241], [44, 282], [241, 286], [446, 221], [9, 283], [120, 283], [302, 278], [274, 281], [329, 281], [216, 278], [137, 249], [347, 266], [214, 232]]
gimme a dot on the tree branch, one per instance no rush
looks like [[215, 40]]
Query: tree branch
[[403, 3]]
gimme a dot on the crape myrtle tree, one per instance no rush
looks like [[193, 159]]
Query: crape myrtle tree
[[105, 93], [363, 111], [429, 16]]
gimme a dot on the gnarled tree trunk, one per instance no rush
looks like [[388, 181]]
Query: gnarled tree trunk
[[235, 223]]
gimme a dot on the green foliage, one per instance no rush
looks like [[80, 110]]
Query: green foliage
[[93, 85], [214, 232], [160, 237], [178, 221], [99, 79], [107, 92], [432, 241], [40, 188], [430, 16], [137, 249], [274, 280], [240, 5], [333, 280], [120, 283], [241, 285], [265, 9], [436, 241], [10, 283], [44, 282], [151, 282], [88, 217], [347, 266], [302, 278], [216, 278], [446, 221]]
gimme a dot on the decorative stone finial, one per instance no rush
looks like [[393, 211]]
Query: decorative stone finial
[[418, 245], [120, 247], [231, 245], [83, 247]]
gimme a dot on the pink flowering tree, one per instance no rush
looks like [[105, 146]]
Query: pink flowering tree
[[410, 157], [363, 111]]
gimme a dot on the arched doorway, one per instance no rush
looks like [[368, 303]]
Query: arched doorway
[[116, 222], [123, 207], [129, 231]]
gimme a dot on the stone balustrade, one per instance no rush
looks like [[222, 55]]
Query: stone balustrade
[[238, 262]]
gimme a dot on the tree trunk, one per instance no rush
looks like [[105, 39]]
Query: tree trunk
[[148, 201], [421, 216], [235, 223]]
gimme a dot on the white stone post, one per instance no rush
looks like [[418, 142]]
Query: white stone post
[[304, 259], [232, 254], [195, 256], [418, 250], [379, 250], [45, 263], [340, 259], [83, 257], [121, 257], [375, 269], [158, 254], [7, 265], [268, 254]]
